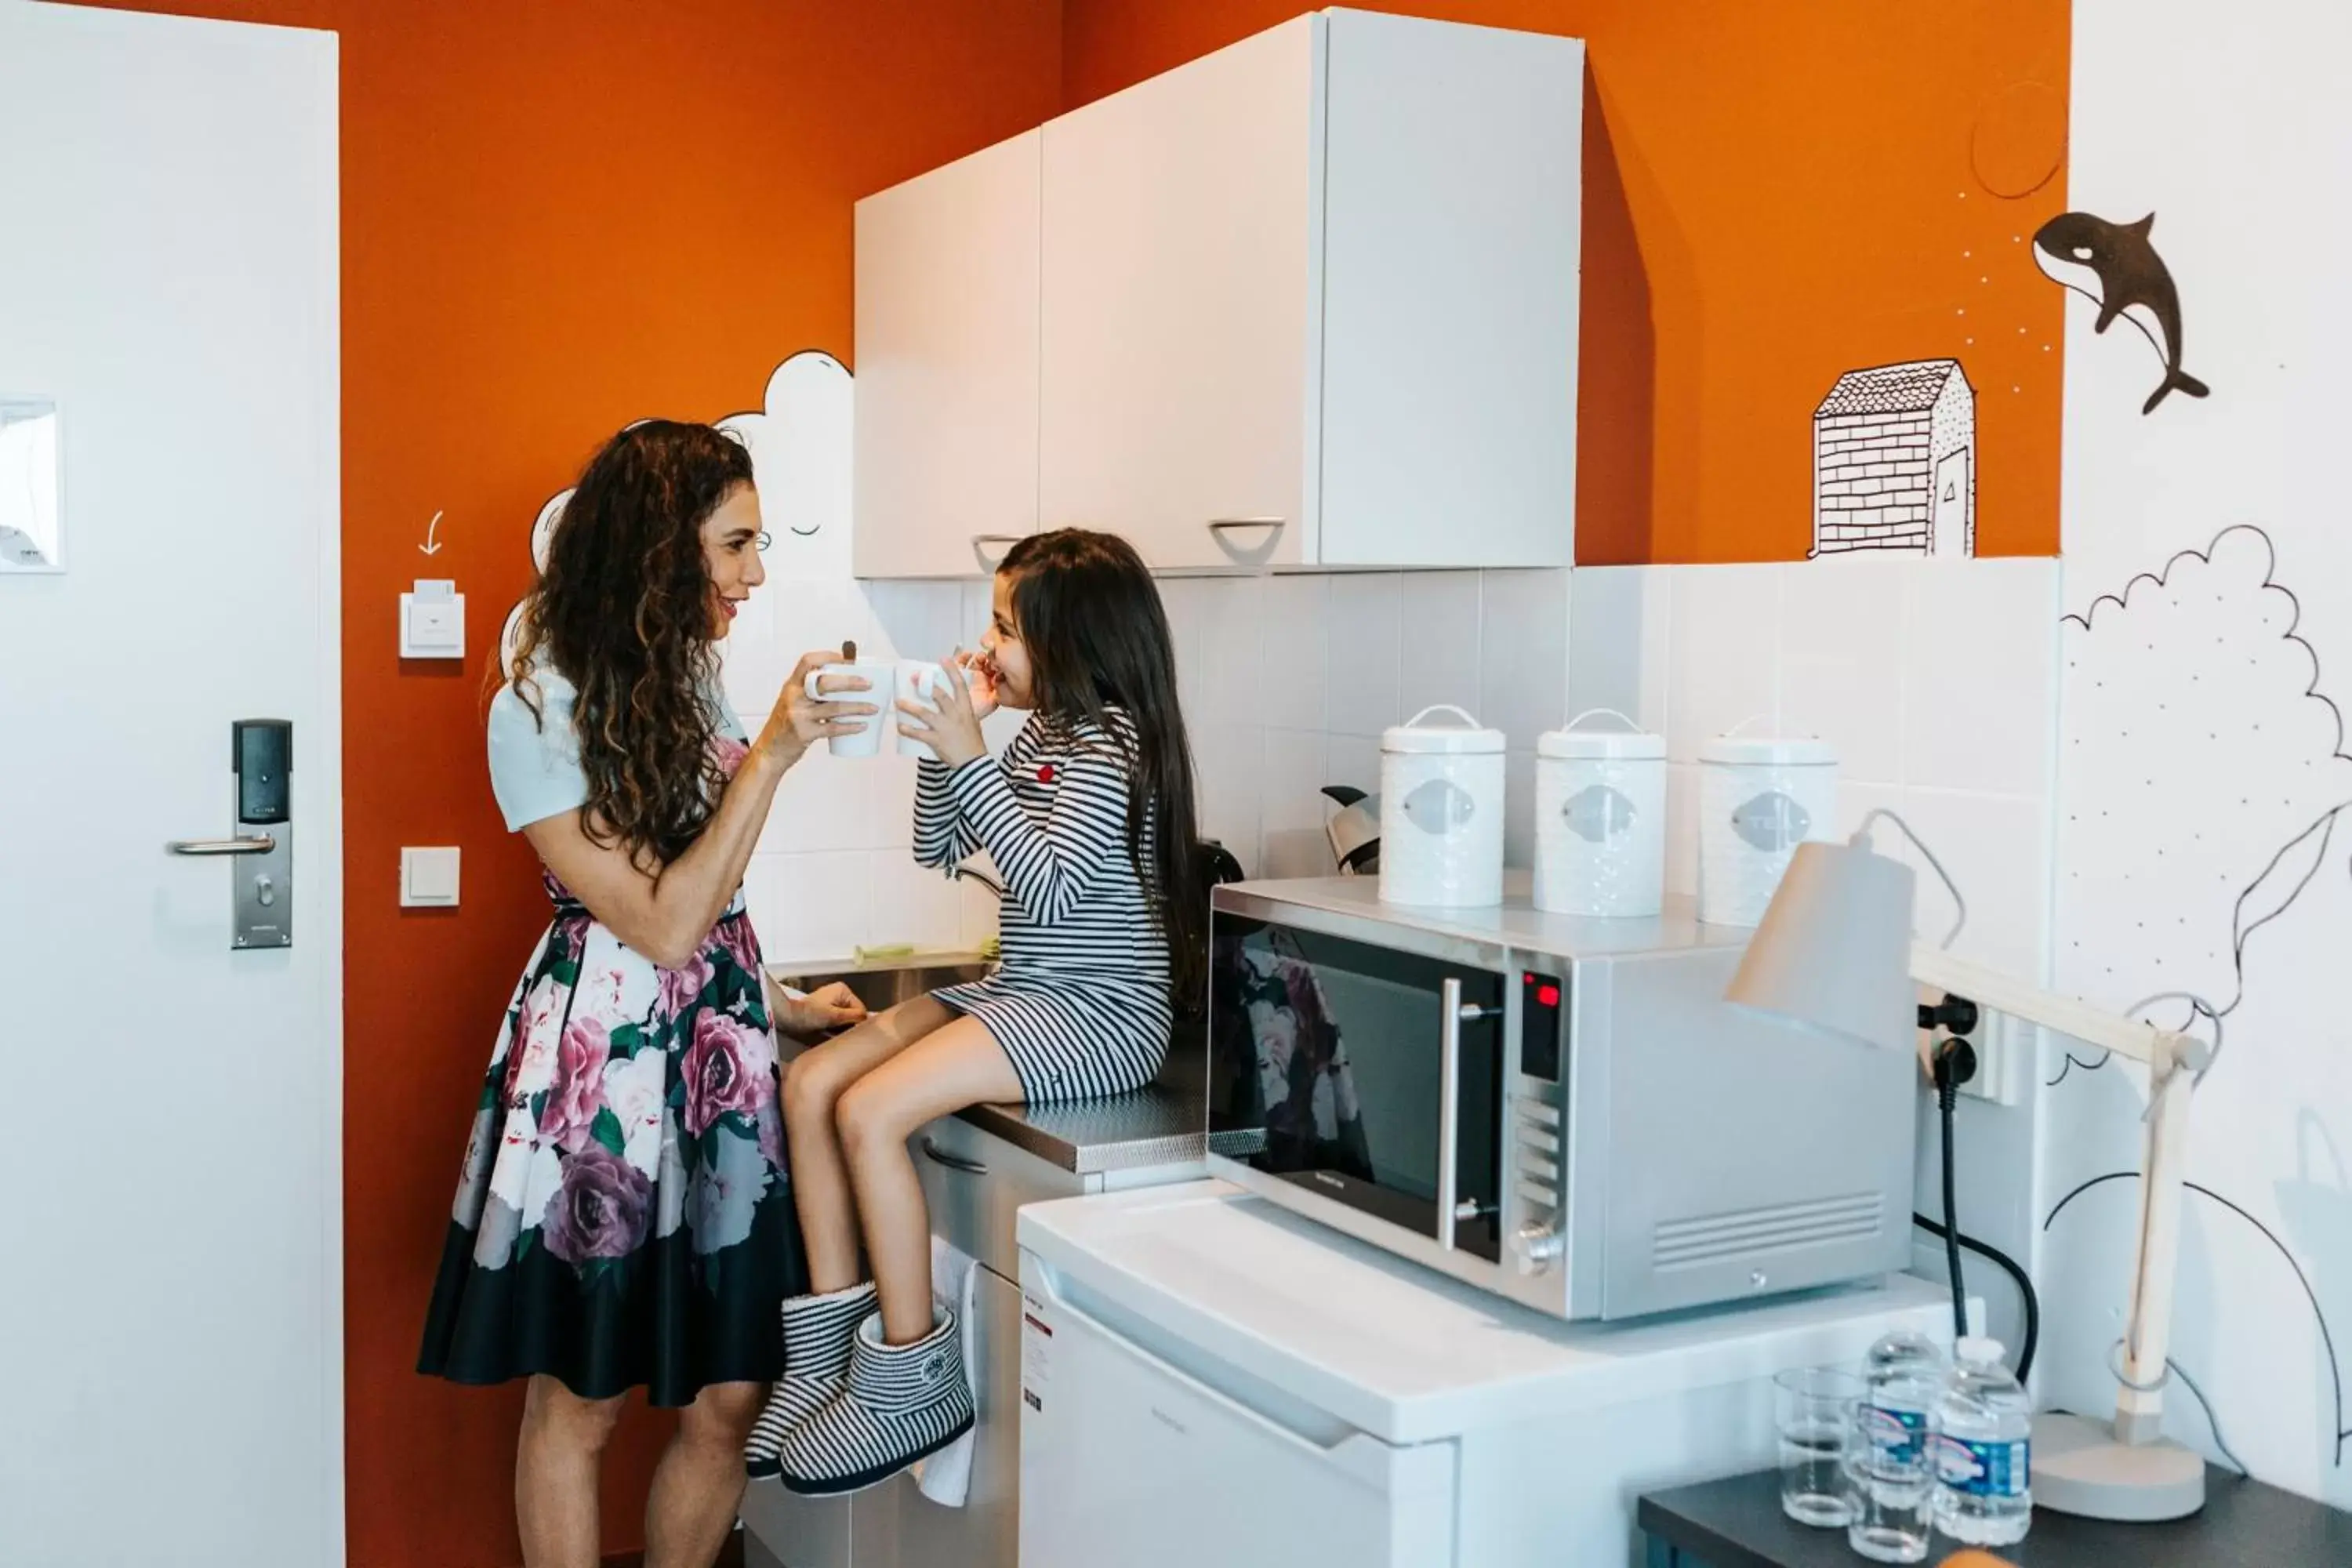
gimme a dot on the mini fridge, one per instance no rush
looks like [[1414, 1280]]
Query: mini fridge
[[1209, 1379]]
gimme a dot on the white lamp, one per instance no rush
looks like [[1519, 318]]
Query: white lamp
[[1834, 952]]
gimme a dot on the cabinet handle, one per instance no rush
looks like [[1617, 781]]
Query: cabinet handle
[[1003, 542], [1223, 529], [939, 1156]]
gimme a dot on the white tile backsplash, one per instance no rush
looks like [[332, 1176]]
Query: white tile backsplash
[[1842, 634], [1440, 637], [1979, 675], [1231, 760], [1367, 653], [1292, 676], [1936, 681], [1291, 807], [1523, 654], [811, 906], [1722, 654], [913, 903], [1234, 673]]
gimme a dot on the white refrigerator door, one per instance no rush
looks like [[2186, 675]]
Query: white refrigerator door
[[1128, 1458]]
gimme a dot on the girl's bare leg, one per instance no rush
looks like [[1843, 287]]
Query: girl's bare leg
[[813, 1086], [956, 1065]]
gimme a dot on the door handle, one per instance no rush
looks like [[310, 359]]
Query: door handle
[[939, 1156], [1449, 1108], [260, 844]]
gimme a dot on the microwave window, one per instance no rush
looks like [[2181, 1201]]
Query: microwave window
[[1326, 1070]]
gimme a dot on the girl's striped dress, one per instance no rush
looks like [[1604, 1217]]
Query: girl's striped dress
[[1081, 1003]]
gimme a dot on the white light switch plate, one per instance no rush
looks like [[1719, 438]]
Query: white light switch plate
[[428, 878]]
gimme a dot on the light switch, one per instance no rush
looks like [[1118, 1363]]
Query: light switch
[[433, 621], [428, 878]]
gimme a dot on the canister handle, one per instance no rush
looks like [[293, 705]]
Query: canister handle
[[1631, 727], [1468, 721]]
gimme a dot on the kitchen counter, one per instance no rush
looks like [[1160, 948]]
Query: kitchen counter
[[1164, 1123]]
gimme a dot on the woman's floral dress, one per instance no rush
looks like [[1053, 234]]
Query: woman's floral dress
[[623, 1218]]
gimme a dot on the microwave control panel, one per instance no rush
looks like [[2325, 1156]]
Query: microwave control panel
[[1538, 1130]]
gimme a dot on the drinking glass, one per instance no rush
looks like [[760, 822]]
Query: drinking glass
[[1814, 1410]]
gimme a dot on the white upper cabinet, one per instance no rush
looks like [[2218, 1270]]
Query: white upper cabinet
[[1180, 253], [1307, 301], [946, 366]]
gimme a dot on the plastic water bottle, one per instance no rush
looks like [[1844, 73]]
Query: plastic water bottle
[[1983, 1441], [1891, 1460]]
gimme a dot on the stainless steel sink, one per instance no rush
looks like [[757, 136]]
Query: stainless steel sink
[[886, 981]]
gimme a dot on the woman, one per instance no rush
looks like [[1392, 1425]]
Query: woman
[[624, 1218]]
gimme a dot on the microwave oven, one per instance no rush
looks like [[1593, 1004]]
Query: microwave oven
[[1562, 1111]]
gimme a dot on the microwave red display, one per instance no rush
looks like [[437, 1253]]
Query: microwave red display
[[1539, 1026]]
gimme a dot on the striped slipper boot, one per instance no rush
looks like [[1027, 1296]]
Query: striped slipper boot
[[817, 1333], [903, 1403]]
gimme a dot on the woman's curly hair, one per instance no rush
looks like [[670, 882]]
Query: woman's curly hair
[[623, 612]]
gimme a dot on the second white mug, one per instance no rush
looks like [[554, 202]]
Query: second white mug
[[918, 681]]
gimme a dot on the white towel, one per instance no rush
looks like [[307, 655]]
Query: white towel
[[946, 1476]]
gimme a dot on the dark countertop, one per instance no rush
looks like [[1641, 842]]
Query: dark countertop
[[1737, 1523]]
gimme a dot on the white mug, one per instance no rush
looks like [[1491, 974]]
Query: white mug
[[866, 740], [919, 681]]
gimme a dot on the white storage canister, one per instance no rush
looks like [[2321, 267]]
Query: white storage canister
[[1600, 820], [1441, 813], [1758, 799]]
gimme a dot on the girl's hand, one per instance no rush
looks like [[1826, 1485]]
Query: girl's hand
[[979, 673], [952, 729], [822, 1011], [799, 721]]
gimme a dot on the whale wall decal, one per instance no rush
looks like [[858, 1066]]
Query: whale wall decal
[[2115, 266]]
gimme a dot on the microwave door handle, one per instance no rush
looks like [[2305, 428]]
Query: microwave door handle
[[1449, 1107]]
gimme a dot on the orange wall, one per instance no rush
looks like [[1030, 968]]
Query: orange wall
[[557, 216], [1775, 194]]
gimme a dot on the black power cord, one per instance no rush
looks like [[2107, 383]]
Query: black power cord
[[2008, 1266], [1954, 1063]]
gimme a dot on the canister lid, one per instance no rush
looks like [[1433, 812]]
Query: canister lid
[[1465, 738], [1769, 751], [1631, 743]]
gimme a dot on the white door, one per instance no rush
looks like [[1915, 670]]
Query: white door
[[947, 366], [171, 1326], [1178, 253], [1948, 534]]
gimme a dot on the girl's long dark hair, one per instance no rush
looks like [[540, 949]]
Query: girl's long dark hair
[[1089, 616], [623, 612]]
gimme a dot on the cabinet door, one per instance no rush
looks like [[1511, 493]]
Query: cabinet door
[[947, 366], [1112, 1430], [1179, 250], [985, 1531]]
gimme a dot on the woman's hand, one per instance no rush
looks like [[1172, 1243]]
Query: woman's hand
[[799, 721], [951, 729], [822, 1011]]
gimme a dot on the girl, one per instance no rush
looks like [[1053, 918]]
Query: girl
[[622, 1218], [1088, 817]]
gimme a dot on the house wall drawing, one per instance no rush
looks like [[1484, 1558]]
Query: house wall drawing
[[1895, 460]]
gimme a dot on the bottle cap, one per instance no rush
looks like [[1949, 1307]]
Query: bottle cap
[[1977, 1348]]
